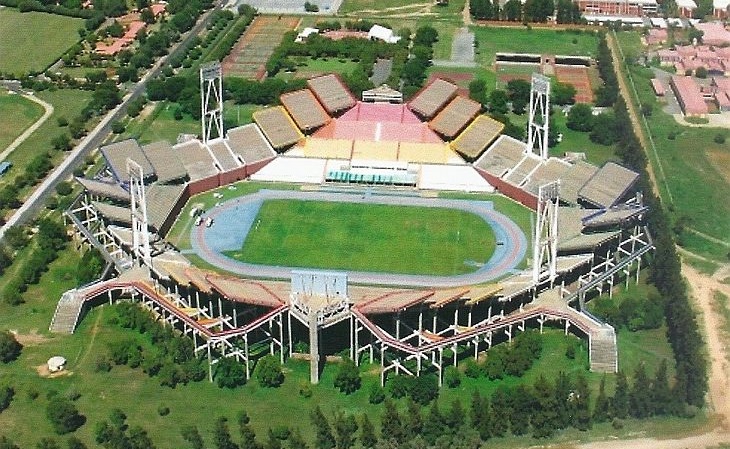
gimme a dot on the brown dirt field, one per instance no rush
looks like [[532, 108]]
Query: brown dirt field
[[721, 161], [248, 57], [30, 339], [42, 371]]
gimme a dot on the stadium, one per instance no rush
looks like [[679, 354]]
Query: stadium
[[323, 147]]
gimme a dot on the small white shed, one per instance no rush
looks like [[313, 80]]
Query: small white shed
[[56, 363]]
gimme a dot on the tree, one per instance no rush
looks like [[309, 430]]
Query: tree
[[63, 415], [538, 10], [296, 441], [6, 396], [345, 429], [323, 433], [433, 425], [601, 409], [604, 130], [701, 72], [545, 419], [498, 101], [9, 347], [268, 372], [562, 93], [518, 92], [222, 436], [581, 400], [642, 405], [563, 395], [392, 426], [61, 142], [580, 118], [368, 439], [662, 398], [192, 436], [347, 379], [75, 443], [497, 413], [229, 373], [248, 436], [424, 389], [376, 394], [413, 421], [452, 377], [513, 10], [620, 400], [15, 236]]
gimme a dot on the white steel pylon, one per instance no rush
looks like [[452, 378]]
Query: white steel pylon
[[140, 228], [537, 128], [211, 97], [545, 241]]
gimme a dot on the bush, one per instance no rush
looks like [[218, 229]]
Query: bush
[[63, 415], [452, 377], [473, 370], [268, 372], [6, 396], [305, 390], [719, 138], [102, 364], [377, 394], [117, 127], [229, 373], [64, 188], [9, 347], [348, 379], [163, 411]]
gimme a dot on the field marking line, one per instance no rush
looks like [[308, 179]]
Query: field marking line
[[32, 128]]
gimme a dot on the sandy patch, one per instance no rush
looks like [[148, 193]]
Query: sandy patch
[[33, 338], [42, 371]]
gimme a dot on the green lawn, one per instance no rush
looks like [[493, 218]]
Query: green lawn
[[358, 6], [378, 238], [689, 168], [308, 67], [522, 40], [32, 41], [161, 124], [67, 103], [16, 114]]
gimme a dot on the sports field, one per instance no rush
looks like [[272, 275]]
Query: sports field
[[34, 40], [16, 114], [373, 237]]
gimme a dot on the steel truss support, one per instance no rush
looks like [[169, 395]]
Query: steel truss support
[[545, 240], [140, 225], [537, 128], [211, 96]]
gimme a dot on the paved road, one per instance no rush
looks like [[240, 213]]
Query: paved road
[[93, 140], [21, 138], [234, 218]]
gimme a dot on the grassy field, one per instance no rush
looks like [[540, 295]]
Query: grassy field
[[491, 40], [161, 123], [16, 114], [721, 306], [359, 6], [67, 103], [378, 238], [685, 161], [308, 67], [32, 41]]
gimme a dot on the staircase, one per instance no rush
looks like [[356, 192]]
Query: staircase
[[67, 312], [603, 351]]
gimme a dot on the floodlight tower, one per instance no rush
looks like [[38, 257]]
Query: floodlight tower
[[537, 129], [545, 241], [140, 228], [211, 97]]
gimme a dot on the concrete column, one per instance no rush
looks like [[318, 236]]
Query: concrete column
[[313, 349]]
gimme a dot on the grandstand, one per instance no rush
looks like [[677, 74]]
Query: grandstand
[[432, 98], [278, 127], [305, 109], [601, 236]]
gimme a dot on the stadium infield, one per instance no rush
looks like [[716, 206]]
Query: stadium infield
[[367, 237], [236, 218]]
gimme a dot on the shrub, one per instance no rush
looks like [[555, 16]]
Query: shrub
[[473, 370], [305, 390], [9, 347], [163, 410], [452, 377], [719, 138], [6, 396], [64, 188], [347, 379], [377, 394], [268, 372], [63, 415]]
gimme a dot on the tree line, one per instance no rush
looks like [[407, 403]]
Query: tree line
[[665, 270], [565, 11]]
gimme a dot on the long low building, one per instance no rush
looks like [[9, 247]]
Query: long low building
[[689, 96]]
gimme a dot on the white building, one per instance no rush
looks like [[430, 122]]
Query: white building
[[381, 33]]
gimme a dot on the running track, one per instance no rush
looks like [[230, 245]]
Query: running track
[[234, 218]]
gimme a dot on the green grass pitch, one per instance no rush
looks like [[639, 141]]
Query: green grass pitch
[[367, 237], [34, 40]]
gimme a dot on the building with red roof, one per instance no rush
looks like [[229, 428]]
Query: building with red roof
[[689, 96]]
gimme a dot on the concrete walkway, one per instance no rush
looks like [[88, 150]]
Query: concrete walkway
[[32, 128], [234, 218]]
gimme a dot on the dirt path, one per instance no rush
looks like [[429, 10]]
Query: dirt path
[[624, 89], [32, 128]]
